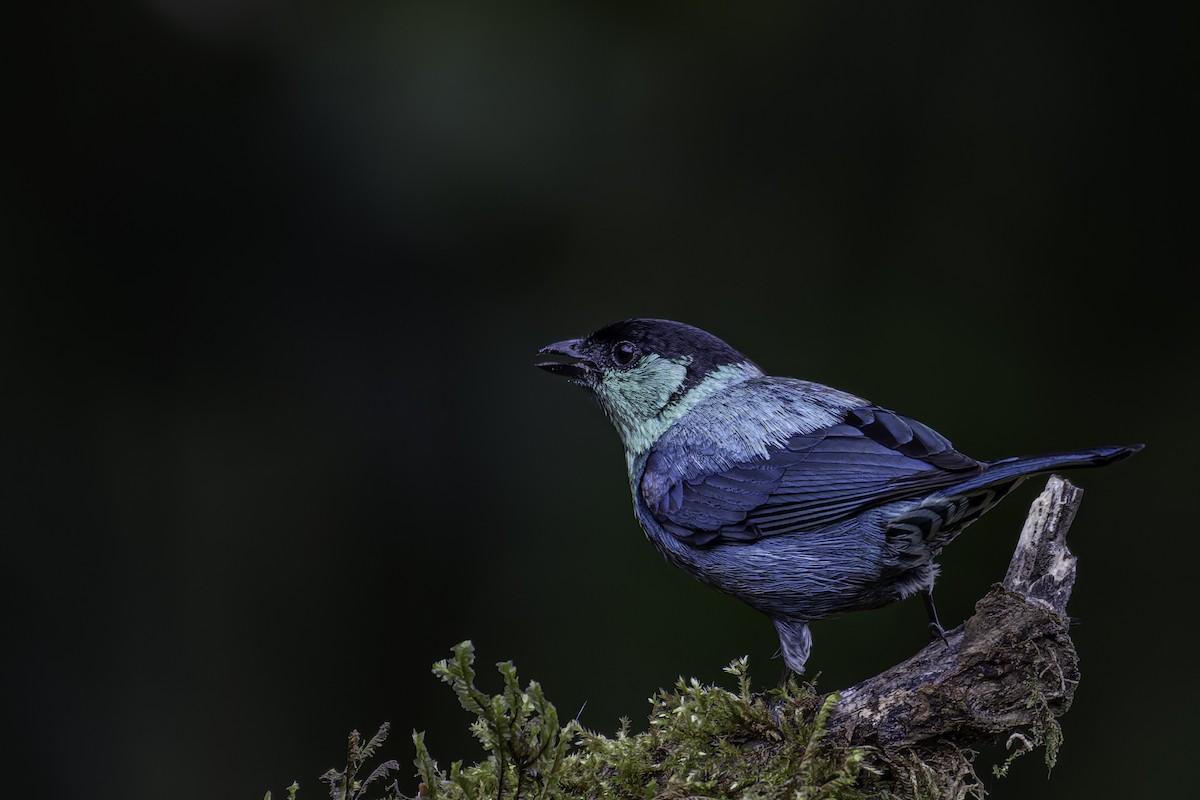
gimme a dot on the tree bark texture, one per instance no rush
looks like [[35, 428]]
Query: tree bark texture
[[1007, 667]]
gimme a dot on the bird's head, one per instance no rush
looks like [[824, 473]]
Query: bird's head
[[647, 373]]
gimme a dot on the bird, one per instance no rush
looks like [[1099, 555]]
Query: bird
[[801, 500]]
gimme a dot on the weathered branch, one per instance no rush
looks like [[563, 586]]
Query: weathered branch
[[1008, 666], [908, 732]]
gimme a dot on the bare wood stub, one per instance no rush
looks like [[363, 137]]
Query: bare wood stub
[[980, 680]]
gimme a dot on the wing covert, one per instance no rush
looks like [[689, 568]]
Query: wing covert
[[814, 479]]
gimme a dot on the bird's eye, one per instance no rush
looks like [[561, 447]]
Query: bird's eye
[[624, 353]]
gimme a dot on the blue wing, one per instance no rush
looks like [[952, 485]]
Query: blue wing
[[873, 457]]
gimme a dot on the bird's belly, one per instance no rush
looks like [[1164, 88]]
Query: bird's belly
[[811, 575]]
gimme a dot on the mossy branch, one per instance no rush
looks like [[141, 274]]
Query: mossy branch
[[1008, 671], [980, 681]]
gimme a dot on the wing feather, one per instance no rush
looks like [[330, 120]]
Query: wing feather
[[875, 456]]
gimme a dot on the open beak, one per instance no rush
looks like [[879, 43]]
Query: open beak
[[577, 368]]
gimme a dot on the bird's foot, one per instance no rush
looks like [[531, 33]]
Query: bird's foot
[[936, 631], [780, 702]]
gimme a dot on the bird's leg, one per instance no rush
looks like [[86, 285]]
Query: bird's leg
[[776, 705], [935, 625], [795, 642]]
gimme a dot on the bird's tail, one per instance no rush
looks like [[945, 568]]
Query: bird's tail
[[1007, 469], [943, 515]]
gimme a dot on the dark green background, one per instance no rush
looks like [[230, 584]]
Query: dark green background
[[272, 279]]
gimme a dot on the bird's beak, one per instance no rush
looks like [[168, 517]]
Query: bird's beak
[[577, 370]]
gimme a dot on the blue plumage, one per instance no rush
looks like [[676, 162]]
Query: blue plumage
[[801, 500]]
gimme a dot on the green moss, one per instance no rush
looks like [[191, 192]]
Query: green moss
[[1044, 732], [701, 742], [291, 792]]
